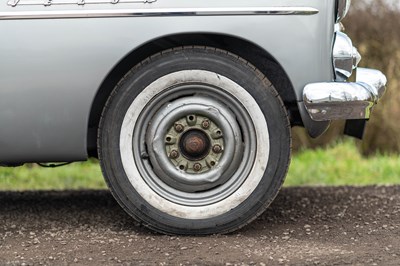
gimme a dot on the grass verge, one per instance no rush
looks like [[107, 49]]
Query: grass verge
[[337, 165], [82, 175], [342, 164]]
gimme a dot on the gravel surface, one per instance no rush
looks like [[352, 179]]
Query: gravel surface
[[304, 226]]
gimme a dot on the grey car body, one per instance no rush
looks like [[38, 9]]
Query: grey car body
[[188, 104], [56, 72]]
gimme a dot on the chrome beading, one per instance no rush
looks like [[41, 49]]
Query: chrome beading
[[160, 12]]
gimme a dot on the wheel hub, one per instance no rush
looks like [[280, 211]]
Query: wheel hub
[[195, 145]]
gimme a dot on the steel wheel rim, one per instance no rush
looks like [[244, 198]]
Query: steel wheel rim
[[231, 179]]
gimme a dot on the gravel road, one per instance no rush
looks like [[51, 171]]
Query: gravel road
[[304, 226]]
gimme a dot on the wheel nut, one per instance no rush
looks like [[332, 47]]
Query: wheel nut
[[174, 154], [179, 128], [217, 148], [197, 167], [205, 124]]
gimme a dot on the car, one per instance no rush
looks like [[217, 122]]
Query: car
[[188, 105]]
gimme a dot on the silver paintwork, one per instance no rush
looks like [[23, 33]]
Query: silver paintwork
[[51, 70], [165, 12], [345, 100]]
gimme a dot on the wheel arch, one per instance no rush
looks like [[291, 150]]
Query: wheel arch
[[251, 52]]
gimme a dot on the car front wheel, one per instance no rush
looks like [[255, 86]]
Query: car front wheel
[[194, 140]]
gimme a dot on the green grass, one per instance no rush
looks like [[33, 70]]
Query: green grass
[[85, 175], [340, 164]]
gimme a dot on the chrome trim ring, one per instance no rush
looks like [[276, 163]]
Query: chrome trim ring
[[160, 12]]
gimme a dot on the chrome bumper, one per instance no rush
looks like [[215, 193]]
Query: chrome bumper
[[345, 100]]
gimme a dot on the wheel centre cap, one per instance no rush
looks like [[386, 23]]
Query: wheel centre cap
[[194, 144]]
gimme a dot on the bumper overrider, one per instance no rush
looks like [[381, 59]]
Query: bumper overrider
[[341, 100]]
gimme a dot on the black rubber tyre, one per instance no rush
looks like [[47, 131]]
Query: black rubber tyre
[[194, 140]]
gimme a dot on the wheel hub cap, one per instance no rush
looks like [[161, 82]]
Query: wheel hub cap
[[195, 145]]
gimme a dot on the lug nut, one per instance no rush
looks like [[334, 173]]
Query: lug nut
[[217, 148], [179, 128], [174, 154], [205, 124], [197, 167]]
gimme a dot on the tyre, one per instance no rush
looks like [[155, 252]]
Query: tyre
[[194, 140]]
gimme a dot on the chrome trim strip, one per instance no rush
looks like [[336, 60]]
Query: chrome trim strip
[[327, 101], [154, 12], [342, 7], [14, 3]]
